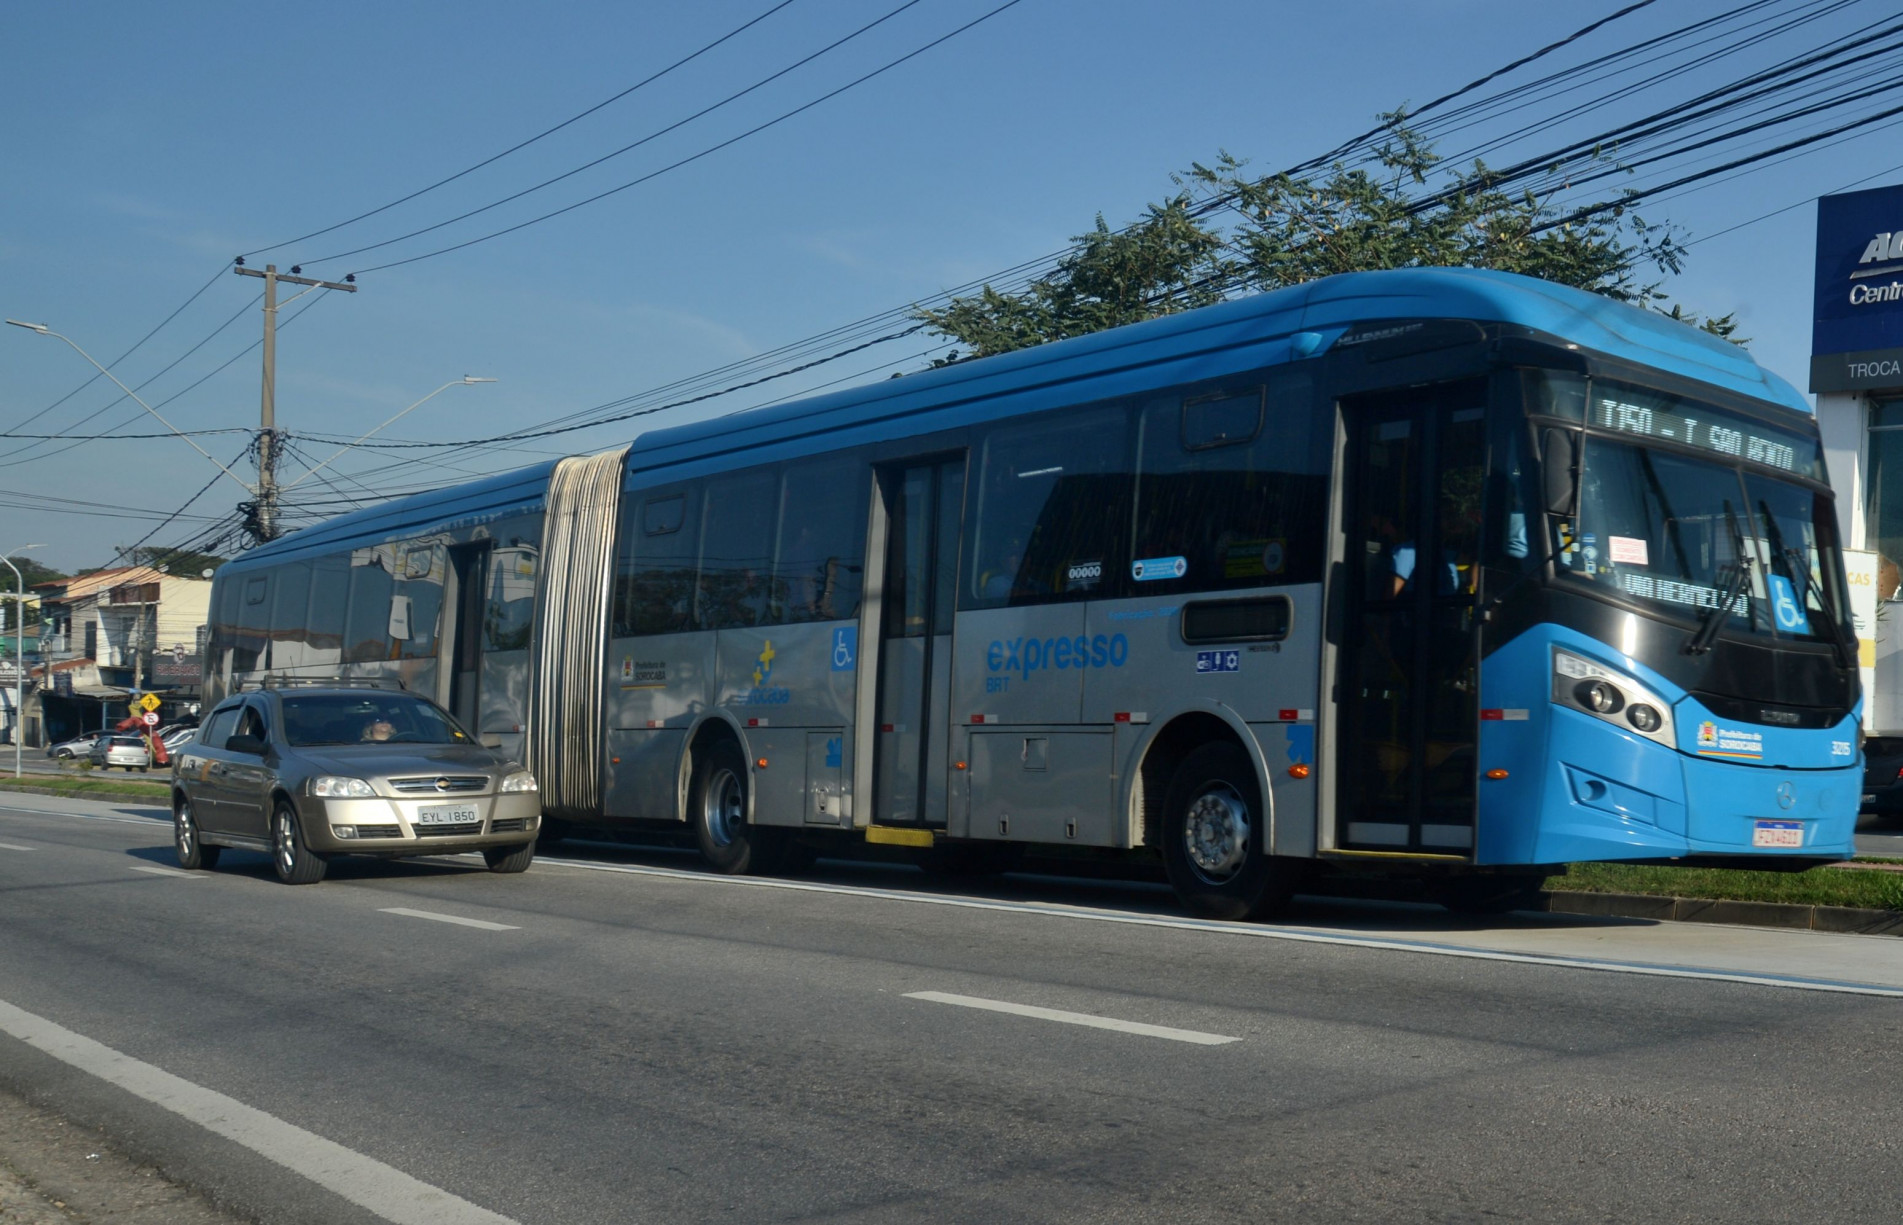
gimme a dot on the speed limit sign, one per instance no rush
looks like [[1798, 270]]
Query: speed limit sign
[[151, 718]]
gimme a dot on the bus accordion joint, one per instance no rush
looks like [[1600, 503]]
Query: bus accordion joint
[[1299, 770], [1495, 775]]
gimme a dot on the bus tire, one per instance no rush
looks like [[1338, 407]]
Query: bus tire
[[728, 842], [1214, 838]]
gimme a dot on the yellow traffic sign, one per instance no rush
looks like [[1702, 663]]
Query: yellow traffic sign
[[149, 702]]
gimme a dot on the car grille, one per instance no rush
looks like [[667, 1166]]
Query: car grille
[[448, 831], [427, 786], [379, 831], [508, 825]]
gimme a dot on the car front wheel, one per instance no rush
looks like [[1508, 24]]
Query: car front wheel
[[296, 863], [509, 858]]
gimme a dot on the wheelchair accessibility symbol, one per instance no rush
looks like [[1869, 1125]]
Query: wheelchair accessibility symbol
[[845, 648], [1790, 614]]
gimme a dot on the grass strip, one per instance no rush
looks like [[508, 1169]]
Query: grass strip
[[61, 785], [1871, 889]]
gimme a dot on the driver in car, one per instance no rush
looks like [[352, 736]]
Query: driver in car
[[378, 728]]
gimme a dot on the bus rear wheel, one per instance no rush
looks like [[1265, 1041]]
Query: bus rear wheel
[[1215, 838], [728, 841]]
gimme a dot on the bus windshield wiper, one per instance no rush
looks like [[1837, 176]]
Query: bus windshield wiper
[[1715, 619], [1833, 624]]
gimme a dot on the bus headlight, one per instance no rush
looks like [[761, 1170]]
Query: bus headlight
[[1600, 697], [1611, 696]]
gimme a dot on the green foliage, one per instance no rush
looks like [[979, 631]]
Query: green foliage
[[1863, 888], [1226, 232], [31, 571]]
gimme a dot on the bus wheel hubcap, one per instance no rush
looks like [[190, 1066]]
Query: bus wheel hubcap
[[1217, 833], [723, 808]]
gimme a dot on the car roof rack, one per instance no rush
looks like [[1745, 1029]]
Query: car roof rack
[[325, 682]]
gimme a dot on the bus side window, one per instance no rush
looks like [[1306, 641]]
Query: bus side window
[[1231, 483], [508, 614], [254, 624], [1053, 509], [660, 552], [289, 613], [425, 567], [736, 551], [819, 567], [367, 623], [330, 598]]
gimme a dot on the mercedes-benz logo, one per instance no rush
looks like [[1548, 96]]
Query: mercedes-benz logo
[[1786, 795], [442, 784]]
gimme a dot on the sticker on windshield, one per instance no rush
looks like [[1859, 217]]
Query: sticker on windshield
[[1627, 551], [1787, 608]]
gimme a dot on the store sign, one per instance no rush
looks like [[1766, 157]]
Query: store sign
[[173, 668], [1857, 319]]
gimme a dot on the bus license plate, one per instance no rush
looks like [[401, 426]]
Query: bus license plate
[[1778, 833], [447, 814]]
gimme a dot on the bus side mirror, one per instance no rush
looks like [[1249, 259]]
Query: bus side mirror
[[1558, 462]]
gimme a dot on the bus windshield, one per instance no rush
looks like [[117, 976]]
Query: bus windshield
[[1685, 534]]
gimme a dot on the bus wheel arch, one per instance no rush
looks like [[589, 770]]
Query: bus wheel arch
[[1168, 746], [720, 798], [1206, 806]]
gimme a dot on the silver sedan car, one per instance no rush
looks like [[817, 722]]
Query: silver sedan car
[[305, 774]]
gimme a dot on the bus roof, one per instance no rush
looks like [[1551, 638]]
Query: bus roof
[[1227, 338]]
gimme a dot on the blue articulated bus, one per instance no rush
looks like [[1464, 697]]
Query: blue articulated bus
[[1443, 574]]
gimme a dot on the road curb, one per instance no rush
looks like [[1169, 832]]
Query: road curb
[[1841, 919]]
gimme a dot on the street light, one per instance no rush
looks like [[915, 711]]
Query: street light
[[19, 642], [467, 380], [44, 330]]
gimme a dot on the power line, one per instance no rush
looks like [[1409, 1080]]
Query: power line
[[652, 136], [515, 148], [753, 131]]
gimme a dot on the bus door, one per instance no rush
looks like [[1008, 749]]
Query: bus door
[[911, 762], [469, 563], [1408, 689]]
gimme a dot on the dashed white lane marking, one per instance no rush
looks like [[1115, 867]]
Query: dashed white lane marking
[[484, 924], [10, 846], [1254, 931], [1075, 1018], [368, 1183], [167, 872]]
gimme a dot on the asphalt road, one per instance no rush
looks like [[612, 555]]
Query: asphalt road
[[621, 1038]]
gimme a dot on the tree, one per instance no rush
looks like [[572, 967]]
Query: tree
[[1226, 232]]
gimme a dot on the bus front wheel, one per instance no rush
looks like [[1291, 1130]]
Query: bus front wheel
[[1215, 838], [728, 841]]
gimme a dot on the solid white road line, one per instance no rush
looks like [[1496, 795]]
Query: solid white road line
[[1075, 1018], [387, 1192], [167, 872], [484, 924], [8, 846], [1256, 931]]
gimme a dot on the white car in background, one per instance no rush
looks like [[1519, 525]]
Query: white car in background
[[121, 749]]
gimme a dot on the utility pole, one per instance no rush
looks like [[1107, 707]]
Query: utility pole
[[262, 521]]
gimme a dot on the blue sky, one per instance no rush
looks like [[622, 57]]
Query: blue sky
[[148, 144]]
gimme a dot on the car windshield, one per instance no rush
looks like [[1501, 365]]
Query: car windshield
[[1670, 530], [368, 718]]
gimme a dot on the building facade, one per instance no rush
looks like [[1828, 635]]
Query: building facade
[[1857, 375], [116, 632]]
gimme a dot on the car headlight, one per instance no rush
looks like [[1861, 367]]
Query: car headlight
[[340, 788], [521, 780]]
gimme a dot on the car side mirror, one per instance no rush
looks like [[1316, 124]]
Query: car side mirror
[[245, 744]]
